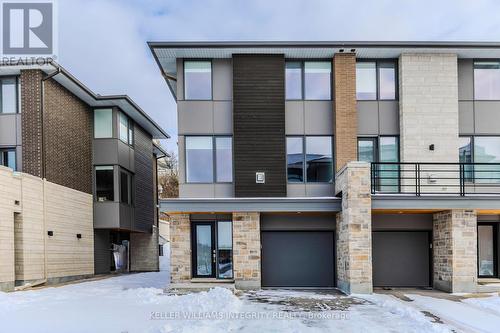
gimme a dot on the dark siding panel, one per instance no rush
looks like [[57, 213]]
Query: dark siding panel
[[102, 253], [259, 124], [144, 192]]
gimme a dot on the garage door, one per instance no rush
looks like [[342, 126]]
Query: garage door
[[298, 259], [401, 259]]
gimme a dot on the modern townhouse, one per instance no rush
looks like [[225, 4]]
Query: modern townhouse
[[77, 181], [335, 164]]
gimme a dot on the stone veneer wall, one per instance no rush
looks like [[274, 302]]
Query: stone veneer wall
[[346, 114], [354, 229], [144, 251], [455, 250], [428, 92], [246, 250], [180, 248], [29, 207]]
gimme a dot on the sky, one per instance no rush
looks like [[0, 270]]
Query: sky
[[103, 42]]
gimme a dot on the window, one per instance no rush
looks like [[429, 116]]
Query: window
[[202, 152], [465, 156], [293, 80], [8, 95], [310, 80], [224, 158], [375, 80], [224, 250], [198, 80], [123, 127], [317, 79], [104, 183], [103, 123], [487, 80], [8, 158], [125, 187], [487, 150], [382, 149], [318, 159], [295, 159]]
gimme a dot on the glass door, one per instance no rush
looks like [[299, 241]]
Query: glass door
[[486, 238], [204, 257]]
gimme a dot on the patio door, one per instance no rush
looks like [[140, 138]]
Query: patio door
[[204, 250], [487, 247]]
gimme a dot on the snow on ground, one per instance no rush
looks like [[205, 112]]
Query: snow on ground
[[469, 315], [139, 303]]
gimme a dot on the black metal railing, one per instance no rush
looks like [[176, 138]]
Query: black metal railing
[[435, 178]]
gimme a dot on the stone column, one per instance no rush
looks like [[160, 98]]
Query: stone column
[[180, 248], [354, 229], [455, 250], [144, 252], [346, 124], [246, 250]]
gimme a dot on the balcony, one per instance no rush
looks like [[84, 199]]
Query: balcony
[[431, 179]]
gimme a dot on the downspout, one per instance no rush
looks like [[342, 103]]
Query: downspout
[[42, 102]]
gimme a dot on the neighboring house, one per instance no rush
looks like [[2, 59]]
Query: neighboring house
[[99, 150], [272, 195]]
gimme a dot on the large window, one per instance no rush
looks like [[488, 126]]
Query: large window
[[8, 158], [103, 123], [126, 131], [487, 80], [317, 159], [382, 149], [104, 183], [198, 80], [375, 80], [8, 95], [202, 152], [310, 80]]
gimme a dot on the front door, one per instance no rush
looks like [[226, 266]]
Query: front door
[[204, 257], [487, 240]]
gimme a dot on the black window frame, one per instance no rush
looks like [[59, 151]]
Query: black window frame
[[304, 161], [302, 78], [184, 79], [378, 63], [214, 158], [16, 78]]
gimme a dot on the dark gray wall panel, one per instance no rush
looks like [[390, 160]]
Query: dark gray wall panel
[[401, 259], [259, 124], [487, 119], [388, 114], [302, 221], [401, 222], [298, 259], [102, 253], [368, 118], [465, 117], [144, 192], [465, 79]]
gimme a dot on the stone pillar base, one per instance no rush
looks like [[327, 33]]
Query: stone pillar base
[[455, 250], [180, 248], [246, 250], [354, 229]]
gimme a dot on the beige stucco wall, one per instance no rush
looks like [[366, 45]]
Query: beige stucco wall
[[29, 208]]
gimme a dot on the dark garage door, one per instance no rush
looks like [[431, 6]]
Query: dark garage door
[[401, 259], [298, 259]]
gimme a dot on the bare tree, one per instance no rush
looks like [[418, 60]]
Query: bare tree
[[168, 177]]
